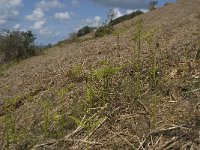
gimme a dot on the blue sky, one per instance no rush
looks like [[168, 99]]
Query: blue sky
[[54, 20]]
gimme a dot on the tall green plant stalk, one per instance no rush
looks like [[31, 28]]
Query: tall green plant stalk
[[140, 28], [117, 33], [137, 38], [154, 110], [153, 70]]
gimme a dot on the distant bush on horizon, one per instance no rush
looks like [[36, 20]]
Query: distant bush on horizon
[[104, 30], [125, 17], [85, 30]]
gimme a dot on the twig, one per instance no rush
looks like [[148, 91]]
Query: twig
[[141, 143], [44, 144], [79, 128], [83, 141], [167, 130], [127, 141], [90, 134], [170, 144]]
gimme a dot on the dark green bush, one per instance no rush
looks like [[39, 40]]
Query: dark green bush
[[15, 45], [85, 30], [125, 17], [104, 30]]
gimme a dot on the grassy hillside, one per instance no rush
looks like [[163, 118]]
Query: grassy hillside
[[138, 88]]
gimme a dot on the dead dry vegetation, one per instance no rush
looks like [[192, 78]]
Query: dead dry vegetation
[[136, 89]]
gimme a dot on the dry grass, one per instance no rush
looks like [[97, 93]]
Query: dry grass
[[123, 121]]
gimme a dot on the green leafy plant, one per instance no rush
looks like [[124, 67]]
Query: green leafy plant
[[104, 75]]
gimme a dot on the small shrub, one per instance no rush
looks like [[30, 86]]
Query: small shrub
[[104, 30], [85, 30]]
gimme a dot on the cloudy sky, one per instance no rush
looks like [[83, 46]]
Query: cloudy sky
[[54, 20]]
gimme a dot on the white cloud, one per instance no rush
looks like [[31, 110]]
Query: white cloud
[[14, 12], [15, 2], [97, 21], [45, 32], [38, 25], [2, 21], [36, 15], [17, 26], [117, 13], [128, 4], [62, 16], [9, 10], [144, 10], [41, 8], [75, 3], [92, 22], [129, 11], [48, 4]]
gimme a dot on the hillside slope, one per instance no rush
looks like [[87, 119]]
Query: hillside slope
[[130, 110]]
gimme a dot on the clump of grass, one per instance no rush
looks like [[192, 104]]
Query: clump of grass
[[103, 31], [103, 76], [96, 99], [5, 66], [60, 118], [76, 73], [10, 121], [47, 107]]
